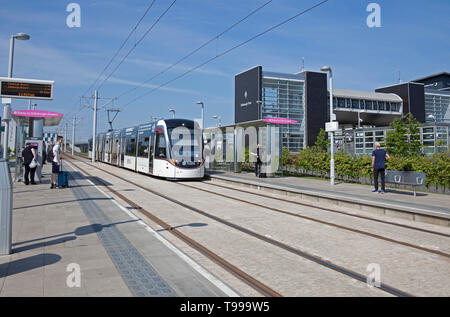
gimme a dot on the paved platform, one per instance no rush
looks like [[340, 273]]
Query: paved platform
[[60, 232], [428, 205]]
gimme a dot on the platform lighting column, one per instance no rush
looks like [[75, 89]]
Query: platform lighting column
[[203, 114], [220, 120], [332, 177], [173, 111], [7, 110]]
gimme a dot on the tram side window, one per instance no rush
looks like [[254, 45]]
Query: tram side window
[[160, 150], [131, 147], [143, 148]]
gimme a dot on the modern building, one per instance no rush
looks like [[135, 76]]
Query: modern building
[[304, 97], [439, 81], [301, 97]]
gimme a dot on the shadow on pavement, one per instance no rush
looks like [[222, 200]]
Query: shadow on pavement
[[28, 264], [80, 231], [195, 224]]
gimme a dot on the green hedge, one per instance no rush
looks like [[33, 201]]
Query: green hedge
[[436, 167]]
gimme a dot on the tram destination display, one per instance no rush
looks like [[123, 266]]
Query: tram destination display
[[26, 88]]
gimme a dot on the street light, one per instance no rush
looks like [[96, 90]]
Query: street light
[[7, 109], [332, 118], [203, 113], [220, 120], [173, 111], [18, 36], [435, 130]]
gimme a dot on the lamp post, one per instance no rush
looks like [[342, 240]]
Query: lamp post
[[220, 120], [435, 130], [7, 110], [332, 118], [203, 113], [173, 111]]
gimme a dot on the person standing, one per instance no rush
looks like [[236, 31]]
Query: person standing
[[28, 155], [379, 157], [44, 153], [56, 163], [258, 162]]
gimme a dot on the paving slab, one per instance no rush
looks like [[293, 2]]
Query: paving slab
[[55, 229]]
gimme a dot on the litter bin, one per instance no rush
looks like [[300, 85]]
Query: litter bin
[[6, 202]]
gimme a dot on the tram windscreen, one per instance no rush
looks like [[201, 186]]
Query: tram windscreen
[[186, 146]]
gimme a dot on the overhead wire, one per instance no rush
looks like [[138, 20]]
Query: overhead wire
[[197, 49], [137, 43], [227, 51], [117, 52]]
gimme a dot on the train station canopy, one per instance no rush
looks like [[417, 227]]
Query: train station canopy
[[24, 116]]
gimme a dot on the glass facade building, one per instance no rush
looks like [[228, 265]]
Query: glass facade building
[[283, 96], [437, 106], [433, 138]]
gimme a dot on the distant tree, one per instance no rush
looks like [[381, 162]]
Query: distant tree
[[404, 139], [322, 143]]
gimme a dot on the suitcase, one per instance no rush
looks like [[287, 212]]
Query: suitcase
[[63, 179]]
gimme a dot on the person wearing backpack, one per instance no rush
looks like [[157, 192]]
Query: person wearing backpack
[[28, 155], [49, 155]]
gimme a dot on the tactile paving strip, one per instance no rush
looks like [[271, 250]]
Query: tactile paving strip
[[137, 273]]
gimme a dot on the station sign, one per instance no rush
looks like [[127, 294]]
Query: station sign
[[332, 126], [26, 88], [280, 121]]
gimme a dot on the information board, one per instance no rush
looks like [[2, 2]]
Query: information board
[[26, 88]]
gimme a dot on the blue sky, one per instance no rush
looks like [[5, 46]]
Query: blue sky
[[414, 38]]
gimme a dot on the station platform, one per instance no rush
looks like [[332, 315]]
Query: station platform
[[425, 207], [79, 241]]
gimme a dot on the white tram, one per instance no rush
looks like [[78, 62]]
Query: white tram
[[171, 148]]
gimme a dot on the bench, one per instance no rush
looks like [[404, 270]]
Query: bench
[[413, 179]]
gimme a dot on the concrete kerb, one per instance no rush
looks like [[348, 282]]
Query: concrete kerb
[[379, 208]]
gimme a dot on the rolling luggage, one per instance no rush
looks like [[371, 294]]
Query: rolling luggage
[[63, 178]]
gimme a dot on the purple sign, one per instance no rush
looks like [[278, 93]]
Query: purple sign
[[36, 114], [280, 121]]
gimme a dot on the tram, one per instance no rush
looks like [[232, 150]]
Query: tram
[[171, 149]]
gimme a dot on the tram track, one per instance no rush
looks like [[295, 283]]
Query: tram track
[[333, 210], [241, 275], [314, 258], [285, 212]]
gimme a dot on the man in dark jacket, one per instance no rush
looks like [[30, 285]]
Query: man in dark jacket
[[379, 157], [28, 154]]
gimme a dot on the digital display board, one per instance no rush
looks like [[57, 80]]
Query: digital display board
[[26, 88]]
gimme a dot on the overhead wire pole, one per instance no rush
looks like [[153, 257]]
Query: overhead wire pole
[[65, 138], [94, 121], [73, 133], [94, 127]]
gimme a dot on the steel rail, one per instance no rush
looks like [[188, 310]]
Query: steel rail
[[246, 278], [314, 258], [322, 222]]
